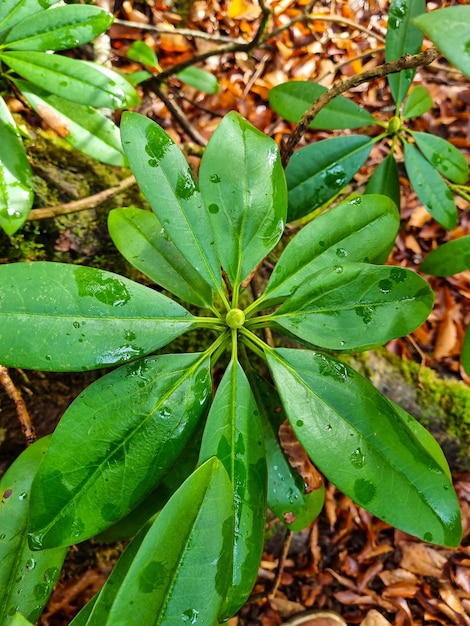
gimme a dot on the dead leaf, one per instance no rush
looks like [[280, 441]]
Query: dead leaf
[[374, 618], [298, 458]]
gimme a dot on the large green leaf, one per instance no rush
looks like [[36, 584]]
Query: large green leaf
[[430, 187], [16, 195], [85, 128], [403, 37], [445, 157], [167, 182], [13, 11], [58, 317], [354, 306], [317, 172], [288, 497], [362, 229], [385, 467], [385, 181], [179, 574], [141, 239], [58, 28], [450, 258], [200, 79], [291, 100], [247, 209], [233, 434], [116, 462], [448, 29], [26, 578], [19, 620], [79, 81], [418, 102], [466, 351]]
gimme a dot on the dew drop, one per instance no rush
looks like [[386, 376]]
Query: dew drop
[[191, 616], [428, 537], [214, 178], [385, 286], [357, 458], [299, 423], [22, 496], [76, 324], [338, 269], [341, 252], [2, 536], [213, 208], [30, 564]]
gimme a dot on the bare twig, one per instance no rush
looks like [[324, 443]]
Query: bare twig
[[185, 32], [179, 115], [282, 562], [21, 410]]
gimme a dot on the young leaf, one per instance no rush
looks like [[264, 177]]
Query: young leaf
[[142, 53], [199, 79], [16, 195], [466, 352], [247, 211], [52, 317], [14, 11], [418, 102], [141, 239], [385, 181], [160, 401], [179, 574], [79, 81], [85, 128], [450, 258], [355, 306], [403, 37], [233, 434], [58, 28], [26, 578], [362, 229], [317, 172], [430, 188], [448, 29], [291, 100], [166, 180], [385, 467], [445, 157]]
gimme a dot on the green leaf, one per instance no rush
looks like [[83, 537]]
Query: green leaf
[[291, 100], [430, 188], [142, 53], [247, 211], [19, 620], [448, 29], [166, 180], [355, 306], [58, 317], [141, 239], [317, 172], [287, 495], [450, 258], [445, 157], [16, 195], [403, 37], [79, 81], [362, 229], [26, 578], [233, 434], [58, 28], [14, 11], [179, 574], [466, 352], [418, 102], [385, 467], [200, 79], [159, 401], [85, 128], [385, 181]]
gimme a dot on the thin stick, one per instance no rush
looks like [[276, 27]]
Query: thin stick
[[282, 562], [179, 115], [21, 410]]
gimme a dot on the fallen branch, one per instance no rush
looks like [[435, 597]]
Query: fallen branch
[[21, 410]]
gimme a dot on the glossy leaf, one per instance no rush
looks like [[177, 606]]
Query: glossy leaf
[[354, 306], [58, 28], [418, 102], [385, 467], [287, 497], [14, 11], [247, 210], [16, 195], [317, 172], [142, 53], [52, 317], [385, 181], [79, 81], [359, 230], [403, 37], [159, 401], [448, 29], [466, 352], [445, 157], [233, 434], [291, 100], [450, 258], [85, 128], [166, 180], [430, 188], [180, 577], [141, 239], [199, 79], [26, 578]]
